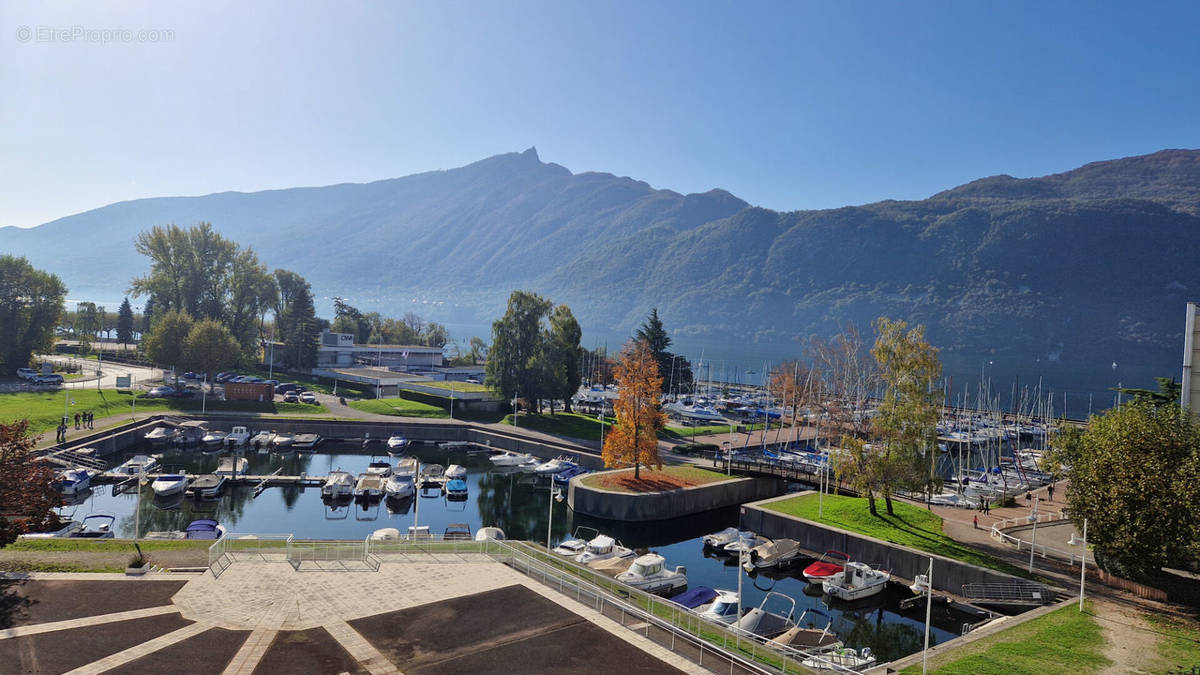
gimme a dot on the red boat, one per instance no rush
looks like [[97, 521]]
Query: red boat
[[831, 565]]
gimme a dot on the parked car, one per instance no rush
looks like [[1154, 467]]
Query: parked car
[[161, 392], [226, 376], [189, 375], [183, 393], [288, 386], [273, 383], [472, 380], [291, 397], [26, 373], [308, 397], [52, 378]]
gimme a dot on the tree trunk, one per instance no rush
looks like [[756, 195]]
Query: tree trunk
[[567, 405], [636, 464], [871, 503], [887, 499]]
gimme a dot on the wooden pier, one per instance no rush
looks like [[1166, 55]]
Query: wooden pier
[[270, 480]]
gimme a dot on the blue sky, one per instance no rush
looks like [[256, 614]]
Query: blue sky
[[788, 105]]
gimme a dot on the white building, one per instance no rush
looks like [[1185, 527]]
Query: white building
[[337, 350]]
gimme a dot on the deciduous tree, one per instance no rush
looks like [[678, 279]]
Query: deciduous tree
[[31, 302], [27, 498], [634, 439], [564, 352], [166, 343], [516, 342], [209, 347]]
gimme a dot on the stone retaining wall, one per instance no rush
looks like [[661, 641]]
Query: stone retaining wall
[[629, 506]]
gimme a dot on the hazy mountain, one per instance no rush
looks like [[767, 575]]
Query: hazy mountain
[[1065, 266]]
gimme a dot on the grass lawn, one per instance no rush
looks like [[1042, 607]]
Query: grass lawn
[[45, 409], [455, 386], [912, 526], [106, 545], [1178, 644], [688, 432], [669, 478], [571, 425], [1063, 641], [398, 406]]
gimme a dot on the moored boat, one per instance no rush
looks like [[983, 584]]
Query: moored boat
[[239, 435], [262, 439], [829, 566], [576, 543], [508, 458], [859, 580], [137, 464], [233, 466], [204, 528], [456, 489], [456, 471], [368, 486], [773, 554], [806, 636], [214, 437], [769, 623], [169, 484], [396, 444], [841, 660], [207, 486], [489, 532], [601, 548], [73, 481], [158, 436], [649, 573], [307, 442], [338, 484]]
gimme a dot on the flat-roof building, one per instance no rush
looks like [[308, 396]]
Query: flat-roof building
[[338, 350]]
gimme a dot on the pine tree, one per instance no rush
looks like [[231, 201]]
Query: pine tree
[[125, 323]]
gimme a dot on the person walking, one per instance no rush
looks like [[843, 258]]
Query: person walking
[[77, 420], [1050, 491], [91, 420], [987, 506], [975, 519]]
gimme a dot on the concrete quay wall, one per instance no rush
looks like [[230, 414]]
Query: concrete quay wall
[[646, 506], [949, 575]]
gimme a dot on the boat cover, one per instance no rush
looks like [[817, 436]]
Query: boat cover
[[700, 595]]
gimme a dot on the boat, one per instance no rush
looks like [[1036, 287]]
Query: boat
[[457, 532], [563, 477], [169, 484], [399, 486], [554, 466], [602, 547], [744, 542], [456, 489], [577, 543], [239, 435], [419, 533], [380, 468], [859, 580], [453, 445], [204, 528], [508, 458], [806, 636], [432, 475], [73, 481], [158, 436], [385, 534], [190, 433], [396, 444], [214, 437], [283, 442], [829, 566], [649, 573], [262, 439], [137, 464], [920, 585], [719, 539], [767, 623], [716, 605], [307, 442], [407, 466], [695, 597], [841, 660], [456, 471], [489, 533], [368, 486], [233, 466], [338, 484], [68, 528], [773, 554], [95, 526], [207, 486]]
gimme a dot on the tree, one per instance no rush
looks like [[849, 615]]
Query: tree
[[87, 319], [27, 495], [189, 269], [125, 323], [102, 320], [479, 350], [435, 335], [1135, 477], [564, 353], [166, 343], [147, 316], [792, 383], [516, 341], [252, 292], [296, 320], [675, 370], [31, 302], [634, 439], [209, 347], [1168, 392]]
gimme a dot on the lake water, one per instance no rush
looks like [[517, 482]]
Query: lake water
[[518, 504]]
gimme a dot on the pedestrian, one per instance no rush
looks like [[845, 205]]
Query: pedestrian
[[976, 520], [76, 420], [1028, 498], [987, 506], [1050, 491], [91, 420]]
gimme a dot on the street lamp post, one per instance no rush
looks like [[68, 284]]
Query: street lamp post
[[1082, 560], [1033, 518], [555, 496], [928, 612]]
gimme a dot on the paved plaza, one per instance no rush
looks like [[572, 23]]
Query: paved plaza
[[262, 617]]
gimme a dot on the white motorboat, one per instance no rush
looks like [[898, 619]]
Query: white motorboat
[[649, 573], [283, 442], [456, 471], [95, 526], [954, 499], [214, 437], [841, 660], [158, 436], [601, 548], [769, 623], [231, 466], [508, 458], [338, 484], [577, 543], [723, 608], [492, 533], [743, 543], [719, 539], [74, 481], [773, 554], [368, 486], [380, 468], [68, 528], [400, 486], [239, 435], [137, 464], [189, 433], [207, 486], [859, 580], [169, 484], [830, 566], [396, 444], [554, 466], [432, 475], [307, 442], [262, 439], [385, 534], [807, 637]]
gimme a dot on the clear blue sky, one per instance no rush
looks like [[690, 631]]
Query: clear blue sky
[[788, 105]]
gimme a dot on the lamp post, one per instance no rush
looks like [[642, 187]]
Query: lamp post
[[601, 418], [1033, 518], [555, 496], [1082, 560], [928, 612]]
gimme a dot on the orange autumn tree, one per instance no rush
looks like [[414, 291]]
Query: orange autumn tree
[[634, 440]]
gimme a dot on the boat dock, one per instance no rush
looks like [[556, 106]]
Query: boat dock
[[270, 480]]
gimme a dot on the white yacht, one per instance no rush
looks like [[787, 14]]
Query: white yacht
[[859, 580], [578, 542], [601, 548], [396, 444], [158, 436], [262, 439], [508, 458], [213, 437], [554, 466], [456, 471], [338, 484], [723, 608], [649, 573], [239, 435], [74, 481], [137, 464], [743, 543], [169, 484], [283, 442]]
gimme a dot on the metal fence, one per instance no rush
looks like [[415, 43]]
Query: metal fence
[[331, 556], [999, 534]]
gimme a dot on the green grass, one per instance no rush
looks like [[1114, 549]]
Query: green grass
[[1178, 644], [45, 409], [692, 474], [688, 432], [33, 566], [911, 526], [1063, 641], [571, 425], [469, 387], [400, 407], [106, 545]]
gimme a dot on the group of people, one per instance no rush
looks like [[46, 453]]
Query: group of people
[[84, 420]]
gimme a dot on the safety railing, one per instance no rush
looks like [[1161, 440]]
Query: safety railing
[[234, 546], [1000, 534], [331, 556], [430, 548]]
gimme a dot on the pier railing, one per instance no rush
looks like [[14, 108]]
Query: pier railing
[[1000, 533]]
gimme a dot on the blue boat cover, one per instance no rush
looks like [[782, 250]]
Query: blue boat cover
[[700, 595], [202, 525]]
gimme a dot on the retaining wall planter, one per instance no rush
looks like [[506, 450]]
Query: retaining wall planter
[[646, 506]]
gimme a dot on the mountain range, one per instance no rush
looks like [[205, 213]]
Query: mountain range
[[1066, 266]]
